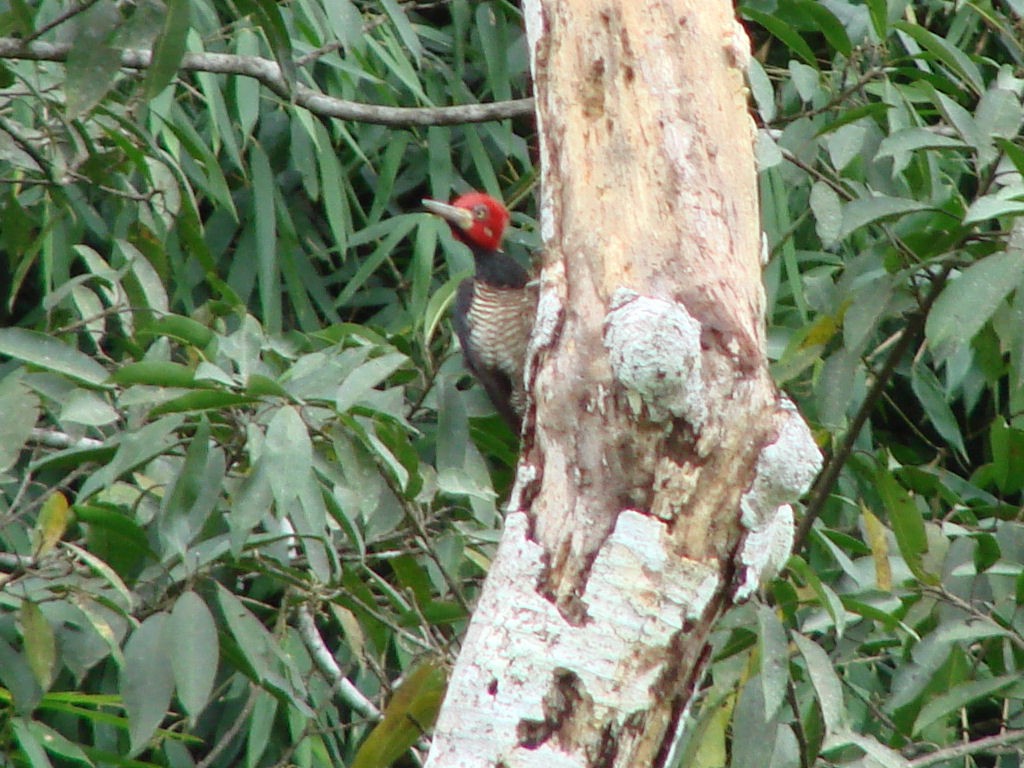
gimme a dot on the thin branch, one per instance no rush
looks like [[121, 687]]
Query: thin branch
[[324, 660], [978, 746], [10, 561], [233, 731], [269, 74], [52, 439], [830, 474], [67, 15]]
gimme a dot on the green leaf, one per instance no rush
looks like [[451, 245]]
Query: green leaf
[[40, 644], [933, 398], [157, 373], [958, 61], [168, 48], [910, 140], [191, 636], [868, 210], [829, 25], [252, 637], [367, 376], [147, 683], [907, 523], [409, 38], [783, 31], [194, 492], [774, 656], [105, 572], [114, 537], [30, 744], [879, 10], [268, 16], [16, 675], [828, 212], [959, 697], [19, 412], [134, 450], [56, 743], [260, 727], [203, 400], [992, 207], [48, 353], [969, 301], [93, 64], [827, 686], [268, 280]]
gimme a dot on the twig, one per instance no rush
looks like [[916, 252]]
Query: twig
[[230, 734], [830, 474], [67, 15], [970, 748], [51, 439], [12, 561], [324, 660], [269, 74]]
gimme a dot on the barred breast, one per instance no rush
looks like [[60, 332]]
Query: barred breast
[[500, 321]]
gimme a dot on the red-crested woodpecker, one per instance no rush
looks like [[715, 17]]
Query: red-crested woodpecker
[[494, 309]]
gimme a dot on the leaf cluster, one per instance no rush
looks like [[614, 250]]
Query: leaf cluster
[[247, 492]]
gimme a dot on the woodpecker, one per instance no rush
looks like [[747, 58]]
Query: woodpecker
[[494, 309]]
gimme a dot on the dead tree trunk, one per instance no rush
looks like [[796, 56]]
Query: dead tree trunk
[[658, 459]]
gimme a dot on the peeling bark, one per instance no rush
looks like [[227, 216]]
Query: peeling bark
[[658, 460]]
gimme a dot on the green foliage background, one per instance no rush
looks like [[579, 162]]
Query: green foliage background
[[234, 430]]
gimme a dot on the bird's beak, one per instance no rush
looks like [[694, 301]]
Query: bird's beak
[[460, 217]]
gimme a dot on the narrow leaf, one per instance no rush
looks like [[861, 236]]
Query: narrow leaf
[[407, 717], [40, 644], [16, 676], [53, 521], [168, 48], [950, 55], [967, 302], [869, 210], [31, 746], [146, 680], [875, 533], [50, 354], [191, 635], [19, 411], [933, 398], [774, 656], [907, 523], [827, 686], [268, 277], [364, 378]]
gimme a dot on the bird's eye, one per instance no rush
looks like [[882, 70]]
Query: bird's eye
[[480, 212]]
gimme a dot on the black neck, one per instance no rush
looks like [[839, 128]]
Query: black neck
[[499, 269]]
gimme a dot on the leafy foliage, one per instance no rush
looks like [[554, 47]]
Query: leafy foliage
[[890, 175], [247, 495]]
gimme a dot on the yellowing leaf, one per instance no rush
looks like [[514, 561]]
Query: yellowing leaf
[[40, 646], [409, 714], [53, 521], [876, 536]]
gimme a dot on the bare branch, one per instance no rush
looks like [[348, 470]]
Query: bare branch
[[269, 74], [53, 439], [324, 660], [976, 747]]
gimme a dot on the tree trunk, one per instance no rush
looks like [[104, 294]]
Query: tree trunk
[[657, 459]]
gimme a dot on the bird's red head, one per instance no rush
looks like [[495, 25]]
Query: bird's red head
[[476, 218]]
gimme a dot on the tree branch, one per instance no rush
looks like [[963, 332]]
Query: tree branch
[[324, 660], [269, 74], [822, 490], [978, 746]]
